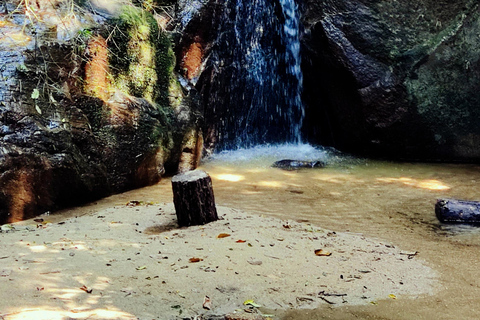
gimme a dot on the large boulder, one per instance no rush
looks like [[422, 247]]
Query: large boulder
[[396, 79], [90, 110]]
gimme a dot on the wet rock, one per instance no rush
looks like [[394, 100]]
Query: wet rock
[[74, 129], [395, 79], [297, 164]]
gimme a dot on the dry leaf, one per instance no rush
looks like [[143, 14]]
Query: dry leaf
[[193, 260], [133, 203], [254, 262], [207, 303], [84, 288], [241, 241], [223, 235], [141, 268], [322, 253]]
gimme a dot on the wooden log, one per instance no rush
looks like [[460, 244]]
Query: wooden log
[[462, 211], [193, 198]]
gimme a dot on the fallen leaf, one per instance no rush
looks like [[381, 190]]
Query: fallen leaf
[[133, 203], [193, 260], [254, 262], [7, 227], [251, 303], [322, 253], [38, 220], [207, 303], [287, 225], [241, 241], [223, 235], [84, 288], [141, 268], [392, 296]]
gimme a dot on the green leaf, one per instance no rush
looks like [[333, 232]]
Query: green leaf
[[35, 94]]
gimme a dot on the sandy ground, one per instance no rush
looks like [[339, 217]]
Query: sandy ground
[[134, 262]]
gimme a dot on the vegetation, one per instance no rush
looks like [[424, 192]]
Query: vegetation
[[141, 56]]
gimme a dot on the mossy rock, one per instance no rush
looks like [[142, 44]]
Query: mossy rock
[[141, 56]]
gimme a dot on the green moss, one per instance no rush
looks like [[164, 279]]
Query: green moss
[[141, 56]]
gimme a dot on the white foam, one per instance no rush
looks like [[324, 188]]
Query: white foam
[[304, 152]]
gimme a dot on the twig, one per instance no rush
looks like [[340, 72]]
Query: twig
[[327, 301]]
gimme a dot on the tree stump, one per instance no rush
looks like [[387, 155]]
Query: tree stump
[[463, 211], [193, 198]]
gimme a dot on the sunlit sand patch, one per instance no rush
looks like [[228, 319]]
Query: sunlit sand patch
[[271, 184], [229, 177], [429, 184], [48, 314]]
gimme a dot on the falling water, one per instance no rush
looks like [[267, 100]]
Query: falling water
[[255, 92], [291, 30]]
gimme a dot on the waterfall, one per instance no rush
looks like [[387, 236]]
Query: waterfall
[[291, 36], [254, 95]]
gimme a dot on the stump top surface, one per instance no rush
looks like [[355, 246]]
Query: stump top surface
[[190, 176]]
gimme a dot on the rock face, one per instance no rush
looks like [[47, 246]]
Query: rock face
[[393, 78], [96, 113]]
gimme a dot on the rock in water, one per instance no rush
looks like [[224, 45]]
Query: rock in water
[[297, 164]]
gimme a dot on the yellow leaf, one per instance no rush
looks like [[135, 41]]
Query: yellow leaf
[[323, 253], [392, 296], [141, 268], [251, 303], [223, 235]]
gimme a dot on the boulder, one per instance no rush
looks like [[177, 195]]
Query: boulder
[[88, 115], [396, 79]]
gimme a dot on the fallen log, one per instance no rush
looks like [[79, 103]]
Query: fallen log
[[459, 211], [193, 198]]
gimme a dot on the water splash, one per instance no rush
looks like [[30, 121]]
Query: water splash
[[255, 90], [267, 154]]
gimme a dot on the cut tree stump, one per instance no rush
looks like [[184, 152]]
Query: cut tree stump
[[193, 198], [462, 211]]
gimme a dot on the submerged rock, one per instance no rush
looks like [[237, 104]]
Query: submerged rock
[[287, 164]]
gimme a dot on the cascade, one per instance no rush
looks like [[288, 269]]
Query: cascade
[[254, 96]]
